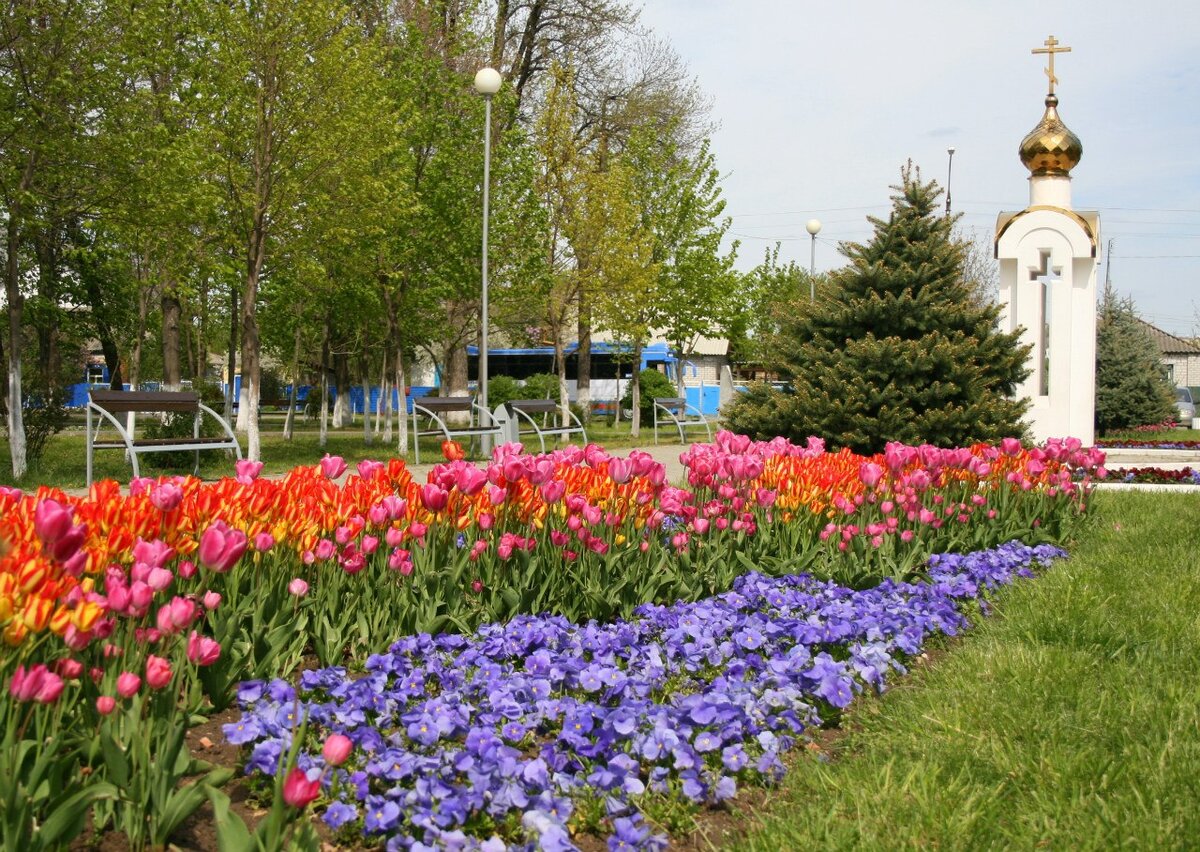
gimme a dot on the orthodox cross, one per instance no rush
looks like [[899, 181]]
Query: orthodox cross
[[1051, 48], [1044, 277]]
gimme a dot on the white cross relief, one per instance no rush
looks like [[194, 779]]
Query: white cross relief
[[1044, 277]]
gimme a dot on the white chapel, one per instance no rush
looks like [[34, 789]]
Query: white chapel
[[1048, 255]]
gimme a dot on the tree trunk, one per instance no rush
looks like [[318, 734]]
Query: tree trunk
[[583, 384], [290, 420], [383, 383], [636, 389], [48, 333], [135, 357], [231, 359], [366, 389], [16, 302], [171, 309], [324, 439], [560, 366], [402, 411], [341, 379], [251, 365]]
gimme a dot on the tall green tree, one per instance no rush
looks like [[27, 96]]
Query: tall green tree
[[1132, 389], [300, 84], [681, 207], [896, 349]]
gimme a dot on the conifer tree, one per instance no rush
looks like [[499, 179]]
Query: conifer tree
[[895, 347], [1131, 387]]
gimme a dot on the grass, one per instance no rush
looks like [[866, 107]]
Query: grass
[[1069, 720], [1169, 436], [64, 462]]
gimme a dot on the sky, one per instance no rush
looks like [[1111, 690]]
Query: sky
[[818, 106]]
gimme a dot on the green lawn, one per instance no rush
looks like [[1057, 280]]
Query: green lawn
[[64, 462], [1069, 720]]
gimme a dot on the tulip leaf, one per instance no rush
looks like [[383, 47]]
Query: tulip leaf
[[67, 816], [232, 834]]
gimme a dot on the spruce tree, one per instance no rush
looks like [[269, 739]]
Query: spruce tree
[[895, 347], [1131, 387]]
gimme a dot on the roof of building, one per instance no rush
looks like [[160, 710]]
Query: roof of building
[[1169, 344]]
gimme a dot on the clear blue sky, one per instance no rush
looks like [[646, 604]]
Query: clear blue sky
[[820, 104]]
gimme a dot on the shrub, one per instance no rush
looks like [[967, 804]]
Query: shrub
[[652, 384]]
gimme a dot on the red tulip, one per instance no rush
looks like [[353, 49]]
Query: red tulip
[[298, 791]]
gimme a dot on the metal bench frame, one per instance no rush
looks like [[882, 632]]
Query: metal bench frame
[[103, 404], [682, 414], [429, 406], [525, 408]]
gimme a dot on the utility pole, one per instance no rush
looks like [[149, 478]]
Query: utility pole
[[1108, 266]]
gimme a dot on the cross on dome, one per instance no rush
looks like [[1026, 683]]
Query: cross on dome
[[1051, 48]]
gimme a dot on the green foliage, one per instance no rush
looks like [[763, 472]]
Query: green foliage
[[1131, 387], [895, 348], [652, 383], [45, 416], [502, 389], [540, 386], [178, 425]]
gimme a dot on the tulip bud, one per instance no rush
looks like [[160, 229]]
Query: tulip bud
[[337, 749]]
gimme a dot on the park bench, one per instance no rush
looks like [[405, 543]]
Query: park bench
[[525, 410], [434, 409], [677, 410], [104, 405]]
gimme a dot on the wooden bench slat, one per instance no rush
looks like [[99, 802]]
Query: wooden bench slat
[[159, 442], [534, 406], [146, 401]]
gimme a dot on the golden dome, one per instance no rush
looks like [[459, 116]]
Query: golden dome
[[1051, 148]]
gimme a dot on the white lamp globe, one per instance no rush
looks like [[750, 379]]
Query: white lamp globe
[[487, 81], [813, 227]]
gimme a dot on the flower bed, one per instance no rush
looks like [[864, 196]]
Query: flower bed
[[530, 732], [1122, 443], [123, 615], [1155, 475]]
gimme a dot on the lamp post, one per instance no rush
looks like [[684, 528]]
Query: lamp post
[[487, 83], [949, 168], [813, 227]]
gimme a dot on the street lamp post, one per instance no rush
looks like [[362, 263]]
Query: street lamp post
[[813, 227], [487, 83], [949, 168]]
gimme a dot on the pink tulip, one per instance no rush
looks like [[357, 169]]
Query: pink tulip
[[247, 470], [433, 498], [159, 578], [332, 466], [325, 549], [202, 650], [700, 525], [154, 553], [337, 749], [370, 544], [298, 587], [221, 547], [186, 569], [619, 470], [68, 668], [37, 684], [377, 515], [553, 490], [166, 496], [52, 520], [128, 684], [870, 474], [367, 468], [393, 537], [476, 586], [211, 600], [68, 545], [263, 542], [158, 672], [417, 529], [140, 595], [105, 704]]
